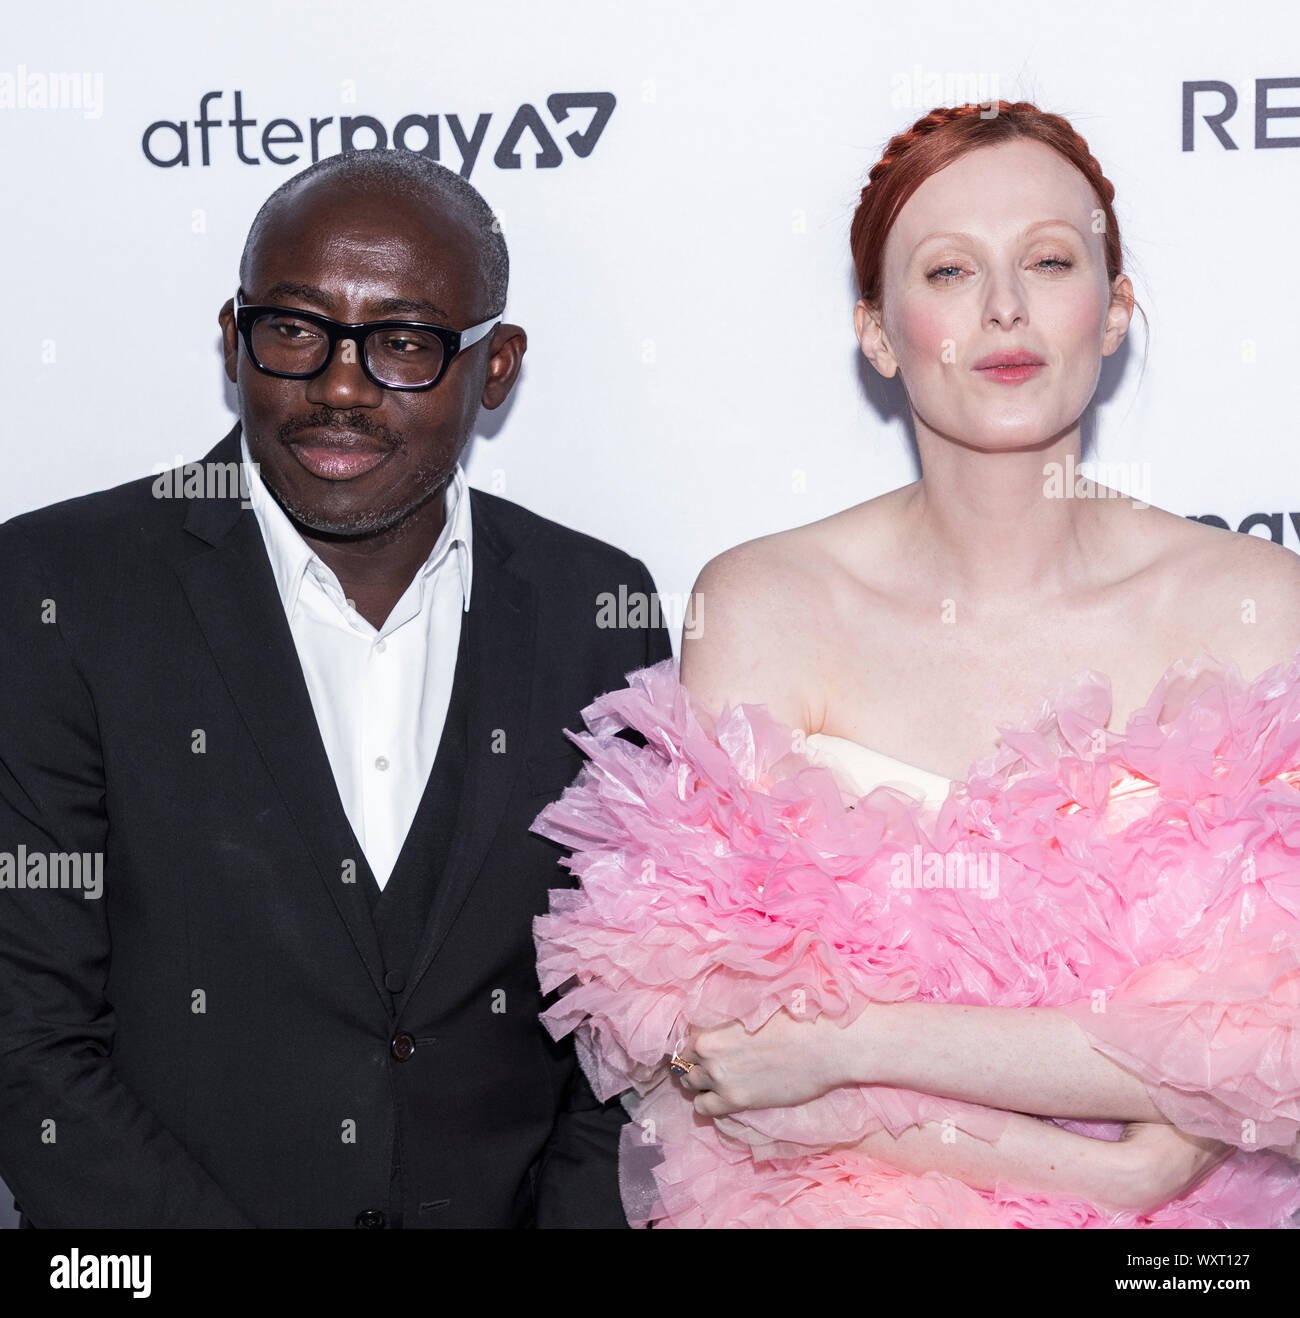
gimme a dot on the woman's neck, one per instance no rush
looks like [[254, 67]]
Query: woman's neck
[[1005, 525]]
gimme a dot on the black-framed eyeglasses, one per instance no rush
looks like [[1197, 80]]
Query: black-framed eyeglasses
[[395, 354]]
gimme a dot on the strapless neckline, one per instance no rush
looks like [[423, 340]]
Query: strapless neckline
[[879, 755], [870, 767]]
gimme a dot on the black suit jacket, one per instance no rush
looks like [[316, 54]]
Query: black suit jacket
[[211, 1042]]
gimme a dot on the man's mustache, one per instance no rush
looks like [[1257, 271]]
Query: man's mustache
[[354, 421]]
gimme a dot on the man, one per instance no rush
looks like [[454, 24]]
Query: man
[[305, 739]]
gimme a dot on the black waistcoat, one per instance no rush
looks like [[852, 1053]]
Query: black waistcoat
[[401, 910]]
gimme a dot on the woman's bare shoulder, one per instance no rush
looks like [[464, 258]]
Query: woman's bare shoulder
[[1238, 595], [763, 609], [804, 557]]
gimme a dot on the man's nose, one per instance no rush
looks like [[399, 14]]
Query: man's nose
[[343, 383]]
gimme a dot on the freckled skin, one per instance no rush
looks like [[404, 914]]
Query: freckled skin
[[360, 247]]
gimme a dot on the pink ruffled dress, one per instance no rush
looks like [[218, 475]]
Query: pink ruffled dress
[[1147, 883]]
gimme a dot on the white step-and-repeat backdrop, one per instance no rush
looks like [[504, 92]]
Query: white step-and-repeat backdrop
[[675, 182]]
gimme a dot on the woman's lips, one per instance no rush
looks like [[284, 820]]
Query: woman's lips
[[1011, 374], [337, 462]]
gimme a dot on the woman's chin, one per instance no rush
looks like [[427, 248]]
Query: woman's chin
[[1022, 439]]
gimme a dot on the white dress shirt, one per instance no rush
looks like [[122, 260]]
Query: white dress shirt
[[380, 697]]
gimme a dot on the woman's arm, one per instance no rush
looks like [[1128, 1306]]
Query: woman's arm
[[1028, 1059], [1149, 1166], [1021, 1059], [790, 1060]]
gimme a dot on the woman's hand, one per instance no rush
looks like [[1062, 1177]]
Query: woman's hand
[[785, 1062], [1155, 1163]]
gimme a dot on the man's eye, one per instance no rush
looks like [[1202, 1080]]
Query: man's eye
[[295, 331], [405, 344]]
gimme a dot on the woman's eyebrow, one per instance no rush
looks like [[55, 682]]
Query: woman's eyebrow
[[946, 235]]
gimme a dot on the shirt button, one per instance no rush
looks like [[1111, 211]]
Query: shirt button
[[381, 646], [381, 763]]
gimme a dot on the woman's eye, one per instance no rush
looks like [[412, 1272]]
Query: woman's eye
[[945, 274]]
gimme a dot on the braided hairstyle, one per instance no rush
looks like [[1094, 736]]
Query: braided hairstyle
[[939, 138]]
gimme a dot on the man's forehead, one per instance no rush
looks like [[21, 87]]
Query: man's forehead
[[374, 236], [363, 207], [382, 300], [400, 256]]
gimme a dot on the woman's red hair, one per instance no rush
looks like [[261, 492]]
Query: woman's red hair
[[938, 139]]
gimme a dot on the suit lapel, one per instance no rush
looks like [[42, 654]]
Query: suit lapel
[[501, 622], [232, 591]]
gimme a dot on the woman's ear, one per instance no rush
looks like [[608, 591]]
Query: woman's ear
[[1118, 315], [871, 336]]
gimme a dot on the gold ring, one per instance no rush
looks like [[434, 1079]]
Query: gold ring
[[679, 1065]]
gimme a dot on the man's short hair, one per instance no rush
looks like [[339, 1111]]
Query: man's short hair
[[409, 174]]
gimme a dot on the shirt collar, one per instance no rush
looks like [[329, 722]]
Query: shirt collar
[[291, 556]]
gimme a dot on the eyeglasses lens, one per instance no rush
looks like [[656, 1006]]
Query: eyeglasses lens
[[298, 347]]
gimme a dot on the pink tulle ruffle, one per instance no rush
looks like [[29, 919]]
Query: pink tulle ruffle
[[1147, 883]]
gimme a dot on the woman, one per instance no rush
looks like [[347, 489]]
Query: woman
[[851, 1042]]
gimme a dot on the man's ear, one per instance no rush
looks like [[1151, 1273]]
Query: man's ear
[[871, 337], [509, 343], [229, 337]]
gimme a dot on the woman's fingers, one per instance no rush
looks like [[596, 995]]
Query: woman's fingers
[[693, 1076], [697, 1078], [712, 1105]]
